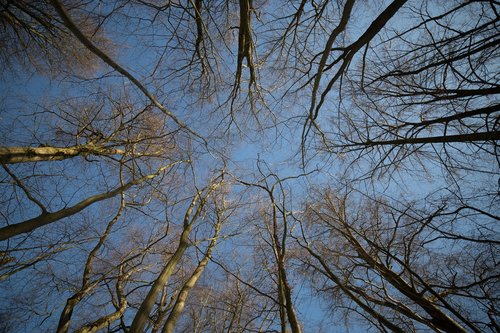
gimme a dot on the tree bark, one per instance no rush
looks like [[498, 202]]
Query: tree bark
[[12, 155], [142, 315], [186, 288]]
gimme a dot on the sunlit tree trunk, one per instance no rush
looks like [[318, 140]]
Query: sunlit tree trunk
[[192, 214], [180, 302], [12, 155]]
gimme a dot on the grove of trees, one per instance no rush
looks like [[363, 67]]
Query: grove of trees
[[249, 166]]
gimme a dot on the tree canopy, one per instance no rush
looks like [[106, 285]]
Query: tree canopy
[[249, 166]]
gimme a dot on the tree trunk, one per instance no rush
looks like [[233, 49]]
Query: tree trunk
[[12, 155], [186, 288], [142, 315]]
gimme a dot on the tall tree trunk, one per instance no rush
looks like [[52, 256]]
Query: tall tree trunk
[[142, 315], [186, 288], [12, 155]]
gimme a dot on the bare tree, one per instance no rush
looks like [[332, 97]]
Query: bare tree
[[193, 213], [277, 226], [180, 301], [423, 90], [381, 258], [358, 142], [33, 38]]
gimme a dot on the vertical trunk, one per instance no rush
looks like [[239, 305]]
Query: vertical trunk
[[65, 318], [245, 42], [142, 316], [284, 290], [282, 301], [186, 288], [199, 43], [290, 311]]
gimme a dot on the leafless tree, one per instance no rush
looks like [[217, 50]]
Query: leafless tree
[[400, 266], [358, 142], [276, 228]]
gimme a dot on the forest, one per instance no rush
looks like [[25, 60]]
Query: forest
[[285, 166]]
